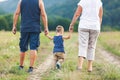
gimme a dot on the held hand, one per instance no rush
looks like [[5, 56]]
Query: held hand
[[14, 30], [46, 31], [71, 28]]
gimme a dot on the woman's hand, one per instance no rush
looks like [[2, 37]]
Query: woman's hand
[[71, 28]]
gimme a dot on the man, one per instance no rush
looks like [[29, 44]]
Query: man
[[90, 12], [30, 11]]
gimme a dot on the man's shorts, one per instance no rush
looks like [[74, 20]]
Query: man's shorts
[[29, 38], [59, 55]]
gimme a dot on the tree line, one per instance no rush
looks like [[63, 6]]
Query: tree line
[[6, 22]]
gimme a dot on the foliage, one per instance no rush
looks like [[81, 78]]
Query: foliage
[[3, 24], [59, 11], [9, 57], [56, 20], [110, 41], [102, 70]]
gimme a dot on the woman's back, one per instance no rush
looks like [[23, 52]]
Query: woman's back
[[90, 12]]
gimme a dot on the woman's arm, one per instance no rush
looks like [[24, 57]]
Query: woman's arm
[[50, 37], [75, 17], [101, 14]]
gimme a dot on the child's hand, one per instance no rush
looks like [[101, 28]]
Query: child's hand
[[50, 37]]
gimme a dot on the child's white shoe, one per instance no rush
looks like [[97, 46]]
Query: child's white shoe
[[58, 65]]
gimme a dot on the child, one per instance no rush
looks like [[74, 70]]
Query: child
[[58, 50]]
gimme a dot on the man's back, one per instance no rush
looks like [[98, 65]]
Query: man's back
[[30, 16]]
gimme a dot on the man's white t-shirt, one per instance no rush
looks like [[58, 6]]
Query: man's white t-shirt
[[90, 14]]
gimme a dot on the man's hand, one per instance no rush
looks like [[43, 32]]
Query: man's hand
[[46, 31], [14, 30]]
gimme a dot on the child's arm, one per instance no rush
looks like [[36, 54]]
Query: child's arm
[[50, 37], [67, 37]]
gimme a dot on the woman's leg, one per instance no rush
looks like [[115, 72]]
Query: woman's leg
[[91, 47], [90, 65], [80, 62], [83, 45]]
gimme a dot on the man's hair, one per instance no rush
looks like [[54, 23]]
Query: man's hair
[[60, 28]]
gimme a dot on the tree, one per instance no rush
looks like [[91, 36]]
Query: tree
[[3, 24]]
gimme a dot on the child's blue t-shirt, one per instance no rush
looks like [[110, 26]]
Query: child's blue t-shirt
[[58, 44]]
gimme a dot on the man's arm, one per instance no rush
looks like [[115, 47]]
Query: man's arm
[[15, 17], [75, 17], [44, 16], [101, 14]]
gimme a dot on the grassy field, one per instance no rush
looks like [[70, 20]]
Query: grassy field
[[9, 56], [111, 42], [102, 70]]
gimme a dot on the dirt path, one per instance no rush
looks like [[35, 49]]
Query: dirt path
[[102, 55], [41, 69], [107, 56]]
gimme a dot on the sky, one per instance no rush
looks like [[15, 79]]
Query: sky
[[2, 0]]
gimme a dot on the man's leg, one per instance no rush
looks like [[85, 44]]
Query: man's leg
[[33, 55], [34, 44], [23, 47], [22, 57]]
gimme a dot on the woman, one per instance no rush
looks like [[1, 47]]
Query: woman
[[91, 12]]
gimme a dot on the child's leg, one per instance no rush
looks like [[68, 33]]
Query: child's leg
[[61, 57], [54, 61]]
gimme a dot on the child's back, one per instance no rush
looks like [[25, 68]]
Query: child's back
[[58, 44], [58, 50]]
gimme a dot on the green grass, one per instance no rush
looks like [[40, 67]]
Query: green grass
[[9, 59], [9, 56], [101, 70], [111, 42]]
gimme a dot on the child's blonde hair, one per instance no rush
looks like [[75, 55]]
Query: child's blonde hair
[[60, 29]]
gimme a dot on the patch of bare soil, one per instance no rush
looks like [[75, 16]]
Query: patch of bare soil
[[108, 56], [41, 69]]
